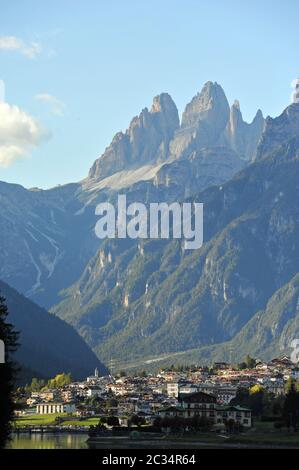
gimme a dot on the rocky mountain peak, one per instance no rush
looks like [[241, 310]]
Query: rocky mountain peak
[[208, 121], [236, 118], [155, 135], [145, 141], [241, 136], [203, 121], [259, 116], [210, 105], [279, 130], [163, 103]]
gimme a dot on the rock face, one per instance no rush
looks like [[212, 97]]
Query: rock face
[[156, 136], [146, 140], [201, 169], [209, 122], [280, 130], [271, 331], [203, 121], [43, 242], [242, 137]]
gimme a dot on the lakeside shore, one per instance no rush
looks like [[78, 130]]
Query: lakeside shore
[[79, 440]]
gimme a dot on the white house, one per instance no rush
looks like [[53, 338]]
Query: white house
[[204, 405], [53, 408]]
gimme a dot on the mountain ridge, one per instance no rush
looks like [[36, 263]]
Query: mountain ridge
[[47, 345]]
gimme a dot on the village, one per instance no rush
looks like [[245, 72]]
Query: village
[[222, 398]]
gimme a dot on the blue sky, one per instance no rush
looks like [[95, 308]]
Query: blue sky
[[103, 61]]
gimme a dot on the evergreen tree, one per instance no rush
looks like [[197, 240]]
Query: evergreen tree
[[7, 374], [289, 385], [291, 407]]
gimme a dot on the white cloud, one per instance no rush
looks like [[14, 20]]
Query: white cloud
[[2, 91], [12, 43], [19, 133], [56, 106], [295, 93]]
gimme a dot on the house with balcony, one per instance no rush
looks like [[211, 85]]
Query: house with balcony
[[171, 412], [198, 404], [205, 405], [237, 414]]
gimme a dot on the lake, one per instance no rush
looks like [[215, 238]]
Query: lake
[[78, 441], [48, 441]]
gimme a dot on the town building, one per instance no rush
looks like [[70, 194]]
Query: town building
[[174, 389], [198, 404], [94, 379], [204, 405], [225, 394], [171, 412], [237, 414], [52, 408]]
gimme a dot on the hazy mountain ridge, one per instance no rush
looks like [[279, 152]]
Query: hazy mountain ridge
[[47, 344]]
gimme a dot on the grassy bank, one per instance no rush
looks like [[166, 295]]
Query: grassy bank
[[262, 433], [38, 420]]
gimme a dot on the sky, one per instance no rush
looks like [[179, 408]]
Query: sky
[[75, 72]]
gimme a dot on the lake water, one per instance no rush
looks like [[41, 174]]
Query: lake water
[[78, 441], [48, 441]]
